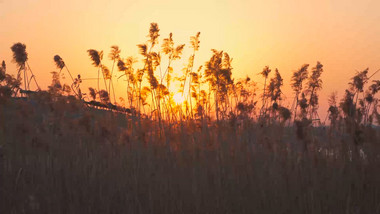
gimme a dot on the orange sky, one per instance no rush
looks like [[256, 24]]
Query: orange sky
[[343, 34]]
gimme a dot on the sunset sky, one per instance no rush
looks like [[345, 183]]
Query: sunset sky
[[344, 35]]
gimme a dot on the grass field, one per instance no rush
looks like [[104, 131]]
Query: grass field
[[63, 157]]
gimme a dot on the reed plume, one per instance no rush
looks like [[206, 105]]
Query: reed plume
[[104, 96], [194, 41], [265, 73], [20, 56], [2, 71], [297, 79], [154, 33], [114, 56], [59, 62], [96, 57], [93, 93], [314, 84], [115, 53]]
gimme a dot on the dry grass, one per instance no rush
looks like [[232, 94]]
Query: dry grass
[[58, 156]]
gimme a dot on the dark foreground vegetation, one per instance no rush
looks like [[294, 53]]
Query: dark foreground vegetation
[[61, 157], [62, 151]]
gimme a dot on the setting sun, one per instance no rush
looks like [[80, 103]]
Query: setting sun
[[178, 98]]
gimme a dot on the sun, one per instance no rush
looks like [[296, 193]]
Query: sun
[[178, 98]]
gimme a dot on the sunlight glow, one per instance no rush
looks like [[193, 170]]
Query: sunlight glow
[[178, 98]]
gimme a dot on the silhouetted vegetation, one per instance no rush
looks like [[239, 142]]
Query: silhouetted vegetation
[[225, 149]]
